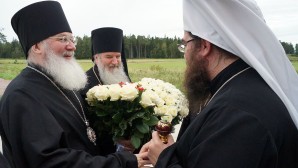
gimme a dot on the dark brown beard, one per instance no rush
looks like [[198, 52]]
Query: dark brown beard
[[196, 83]]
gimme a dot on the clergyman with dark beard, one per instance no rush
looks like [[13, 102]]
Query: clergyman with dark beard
[[43, 121], [242, 90]]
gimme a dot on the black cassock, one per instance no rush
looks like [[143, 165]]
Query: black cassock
[[246, 125], [40, 128], [105, 144], [3, 162]]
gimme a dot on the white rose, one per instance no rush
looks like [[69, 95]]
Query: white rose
[[101, 92], [89, 101], [167, 118], [114, 92], [172, 110], [155, 98], [129, 92], [90, 94], [184, 111], [170, 101], [163, 94], [146, 99], [160, 111]]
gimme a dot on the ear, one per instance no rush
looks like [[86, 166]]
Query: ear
[[206, 48], [37, 48], [96, 58]]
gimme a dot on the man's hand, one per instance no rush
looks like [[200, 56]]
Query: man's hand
[[156, 146], [142, 159]]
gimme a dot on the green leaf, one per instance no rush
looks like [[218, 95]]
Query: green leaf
[[140, 114], [134, 116], [143, 128], [138, 134], [152, 121], [117, 117], [101, 113], [135, 141], [123, 125]]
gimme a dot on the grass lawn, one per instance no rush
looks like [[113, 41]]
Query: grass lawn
[[169, 70]]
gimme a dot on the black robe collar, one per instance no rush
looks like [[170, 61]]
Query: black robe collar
[[226, 74], [95, 72]]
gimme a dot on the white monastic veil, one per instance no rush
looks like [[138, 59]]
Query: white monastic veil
[[238, 26]]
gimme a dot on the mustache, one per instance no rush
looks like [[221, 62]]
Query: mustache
[[114, 66], [69, 53]]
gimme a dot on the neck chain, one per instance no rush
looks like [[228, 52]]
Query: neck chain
[[96, 75], [208, 101], [90, 132]]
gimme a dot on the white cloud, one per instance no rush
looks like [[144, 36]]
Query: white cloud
[[281, 16]]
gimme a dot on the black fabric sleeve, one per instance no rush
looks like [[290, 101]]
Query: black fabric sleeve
[[3, 162], [168, 158], [38, 140], [235, 139]]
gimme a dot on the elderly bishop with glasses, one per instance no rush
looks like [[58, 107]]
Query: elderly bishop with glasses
[[43, 119]]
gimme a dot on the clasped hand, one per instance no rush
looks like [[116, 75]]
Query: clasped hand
[[150, 151]]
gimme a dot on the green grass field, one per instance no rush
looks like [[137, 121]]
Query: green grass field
[[169, 70]]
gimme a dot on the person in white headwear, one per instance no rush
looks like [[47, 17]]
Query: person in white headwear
[[242, 90]]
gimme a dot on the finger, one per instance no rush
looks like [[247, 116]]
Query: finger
[[143, 156], [170, 139], [142, 159], [155, 135], [145, 147], [155, 138]]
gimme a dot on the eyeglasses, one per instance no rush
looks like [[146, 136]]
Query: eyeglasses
[[182, 46], [65, 39]]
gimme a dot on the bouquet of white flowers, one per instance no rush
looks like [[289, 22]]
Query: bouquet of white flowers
[[131, 110]]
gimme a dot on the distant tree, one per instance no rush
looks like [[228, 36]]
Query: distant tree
[[296, 49], [134, 47], [2, 36], [2, 42], [288, 47], [16, 49], [11, 50], [83, 50]]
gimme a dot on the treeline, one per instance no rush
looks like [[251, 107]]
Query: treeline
[[289, 48], [135, 47]]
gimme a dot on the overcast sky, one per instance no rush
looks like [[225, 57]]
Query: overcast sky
[[148, 17]]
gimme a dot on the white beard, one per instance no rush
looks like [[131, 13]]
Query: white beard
[[117, 75], [67, 73]]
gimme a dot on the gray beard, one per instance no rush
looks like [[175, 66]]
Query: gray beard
[[67, 73], [117, 75]]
